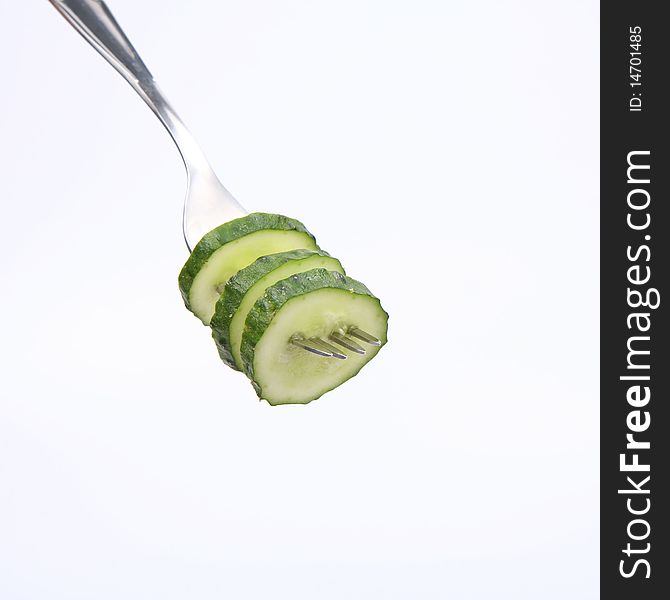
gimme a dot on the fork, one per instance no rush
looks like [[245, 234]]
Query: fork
[[208, 203]]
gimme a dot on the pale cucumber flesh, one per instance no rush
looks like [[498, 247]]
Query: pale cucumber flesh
[[256, 291], [283, 373], [230, 258]]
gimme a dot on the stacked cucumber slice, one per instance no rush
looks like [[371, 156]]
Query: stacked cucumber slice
[[269, 292]]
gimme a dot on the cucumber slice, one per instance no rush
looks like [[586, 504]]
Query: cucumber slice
[[315, 303], [245, 287], [225, 250]]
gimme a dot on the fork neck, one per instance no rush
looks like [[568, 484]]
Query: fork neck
[[191, 153]]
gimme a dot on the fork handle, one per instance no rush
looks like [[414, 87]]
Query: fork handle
[[94, 21], [96, 24]]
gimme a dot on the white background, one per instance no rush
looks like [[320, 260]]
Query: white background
[[447, 153]]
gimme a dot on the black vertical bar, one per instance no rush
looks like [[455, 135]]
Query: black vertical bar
[[635, 99]]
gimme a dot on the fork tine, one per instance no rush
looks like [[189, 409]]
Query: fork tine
[[307, 345], [347, 343], [334, 352], [364, 335]]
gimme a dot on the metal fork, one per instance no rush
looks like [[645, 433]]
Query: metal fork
[[207, 203]]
